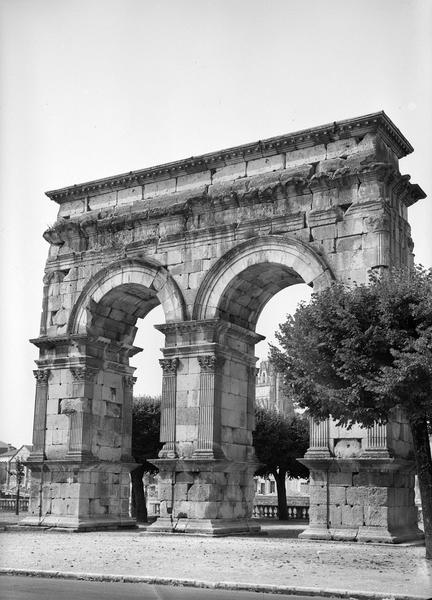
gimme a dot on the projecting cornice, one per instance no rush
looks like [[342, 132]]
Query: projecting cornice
[[357, 127]]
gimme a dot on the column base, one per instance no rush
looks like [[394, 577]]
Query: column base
[[315, 532], [379, 535], [79, 495], [79, 523], [205, 527], [383, 535]]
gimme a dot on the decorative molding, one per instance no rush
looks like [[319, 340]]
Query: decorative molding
[[358, 126], [84, 373], [42, 376], [169, 365]]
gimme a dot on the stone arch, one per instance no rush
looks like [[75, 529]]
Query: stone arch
[[239, 285], [131, 287]]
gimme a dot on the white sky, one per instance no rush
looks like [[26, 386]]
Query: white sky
[[92, 88]]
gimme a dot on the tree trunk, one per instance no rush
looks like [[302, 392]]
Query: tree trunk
[[281, 493], [423, 459], [17, 501], [139, 507]]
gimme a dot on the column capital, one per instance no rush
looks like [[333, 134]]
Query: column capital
[[210, 362], [41, 376], [129, 381], [169, 365], [253, 371], [83, 373]]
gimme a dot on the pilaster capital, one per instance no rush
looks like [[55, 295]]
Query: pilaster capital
[[169, 365], [209, 363], [84, 374], [129, 381], [42, 376], [253, 371]]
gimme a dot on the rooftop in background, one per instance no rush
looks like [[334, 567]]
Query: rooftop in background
[[6, 447]]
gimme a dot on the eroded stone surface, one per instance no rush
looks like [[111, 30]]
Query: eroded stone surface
[[211, 239]]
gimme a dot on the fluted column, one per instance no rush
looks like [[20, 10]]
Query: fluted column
[[128, 383], [79, 409], [319, 437], [209, 365], [39, 422], [376, 442], [168, 407]]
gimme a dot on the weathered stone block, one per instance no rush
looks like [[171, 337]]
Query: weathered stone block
[[335, 515], [350, 227], [129, 195], [341, 148], [72, 208], [102, 201], [306, 155], [378, 496], [357, 495], [264, 165], [337, 494], [159, 188], [229, 173], [349, 244], [329, 166], [324, 232], [318, 514], [196, 180], [376, 516], [352, 516]]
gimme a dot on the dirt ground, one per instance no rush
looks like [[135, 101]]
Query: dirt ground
[[252, 560]]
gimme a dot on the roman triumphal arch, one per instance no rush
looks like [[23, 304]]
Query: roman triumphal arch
[[212, 239]]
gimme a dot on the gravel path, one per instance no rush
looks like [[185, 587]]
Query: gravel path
[[331, 565]]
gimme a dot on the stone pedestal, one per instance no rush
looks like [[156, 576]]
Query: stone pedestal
[[205, 497], [360, 489], [79, 495]]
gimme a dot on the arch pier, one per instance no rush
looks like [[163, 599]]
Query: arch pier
[[212, 239]]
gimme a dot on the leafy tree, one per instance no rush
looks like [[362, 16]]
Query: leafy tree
[[19, 474], [356, 353], [145, 445], [279, 440]]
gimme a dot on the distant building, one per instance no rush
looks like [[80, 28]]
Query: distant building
[[6, 447], [8, 484], [269, 392]]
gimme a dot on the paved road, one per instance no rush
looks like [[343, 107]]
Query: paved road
[[35, 588]]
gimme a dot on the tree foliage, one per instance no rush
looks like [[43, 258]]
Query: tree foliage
[[358, 352], [145, 445], [279, 440]]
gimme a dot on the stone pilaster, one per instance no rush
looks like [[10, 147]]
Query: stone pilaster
[[376, 441], [209, 407], [168, 407], [41, 396], [79, 410], [319, 433], [128, 383]]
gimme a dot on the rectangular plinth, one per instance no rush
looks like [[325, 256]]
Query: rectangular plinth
[[207, 527], [79, 524]]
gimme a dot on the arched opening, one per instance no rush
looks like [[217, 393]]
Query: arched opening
[[150, 340], [233, 295]]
